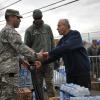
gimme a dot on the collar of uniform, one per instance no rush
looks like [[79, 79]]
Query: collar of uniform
[[7, 25]]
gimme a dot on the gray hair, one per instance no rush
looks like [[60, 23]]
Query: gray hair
[[66, 21]]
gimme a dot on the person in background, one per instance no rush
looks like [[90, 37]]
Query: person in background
[[94, 51], [74, 55], [39, 36], [11, 46], [85, 44]]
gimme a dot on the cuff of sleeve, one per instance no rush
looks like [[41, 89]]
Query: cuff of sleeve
[[35, 54]]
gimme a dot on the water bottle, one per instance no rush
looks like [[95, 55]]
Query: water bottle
[[33, 96]]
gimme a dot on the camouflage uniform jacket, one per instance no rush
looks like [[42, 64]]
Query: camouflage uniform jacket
[[41, 38], [10, 47]]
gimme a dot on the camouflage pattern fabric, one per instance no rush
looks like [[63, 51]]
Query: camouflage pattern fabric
[[11, 46]]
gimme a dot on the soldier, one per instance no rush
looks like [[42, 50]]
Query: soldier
[[11, 46], [39, 36]]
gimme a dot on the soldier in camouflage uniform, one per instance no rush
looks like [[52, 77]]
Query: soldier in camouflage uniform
[[11, 46], [39, 36]]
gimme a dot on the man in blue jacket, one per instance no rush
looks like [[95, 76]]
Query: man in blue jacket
[[70, 48]]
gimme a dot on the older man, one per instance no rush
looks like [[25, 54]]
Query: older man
[[11, 46], [70, 48]]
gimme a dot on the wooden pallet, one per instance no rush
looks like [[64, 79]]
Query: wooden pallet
[[95, 84], [54, 98], [24, 94]]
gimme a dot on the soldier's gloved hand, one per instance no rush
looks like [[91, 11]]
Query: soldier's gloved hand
[[37, 64]]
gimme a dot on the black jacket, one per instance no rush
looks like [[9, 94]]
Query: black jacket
[[70, 48]]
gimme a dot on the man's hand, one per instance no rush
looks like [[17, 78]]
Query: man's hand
[[45, 55], [37, 64], [25, 63], [40, 55]]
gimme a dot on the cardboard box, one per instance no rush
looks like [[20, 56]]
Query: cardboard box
[[95, 86], [24, 94]]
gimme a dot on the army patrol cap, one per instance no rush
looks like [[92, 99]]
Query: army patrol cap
[[12, 12], [37, 14]]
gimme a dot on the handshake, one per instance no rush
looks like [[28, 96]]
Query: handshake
[[40, 57]]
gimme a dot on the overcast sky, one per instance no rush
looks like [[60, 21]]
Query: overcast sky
[[83, 15]]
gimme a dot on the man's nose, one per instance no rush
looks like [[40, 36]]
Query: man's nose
[[19, 20]]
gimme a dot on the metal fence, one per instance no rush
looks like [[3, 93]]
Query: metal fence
[[95, 66]]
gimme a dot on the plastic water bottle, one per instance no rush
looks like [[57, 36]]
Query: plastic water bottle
[[97, 97], [61, 95], [64, 95], [33, 96], [75, 90]]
